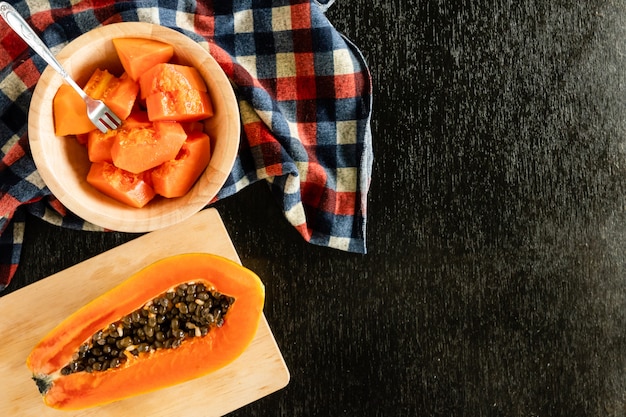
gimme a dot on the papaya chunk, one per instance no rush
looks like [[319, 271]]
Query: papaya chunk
[[174, 178], [117, 93], [139, 55], [99, 145], [124, 186], [70, 113], [179, 105], [140, 149], [108, 319], [121, 96], [168, 77], [175, 92], [98, 84]]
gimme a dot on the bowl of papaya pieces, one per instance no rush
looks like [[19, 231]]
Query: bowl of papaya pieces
[[177, 141]]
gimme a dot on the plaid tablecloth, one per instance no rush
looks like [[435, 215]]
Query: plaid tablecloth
[[304, 93]]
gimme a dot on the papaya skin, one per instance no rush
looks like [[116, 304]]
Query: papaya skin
[[195, 357]]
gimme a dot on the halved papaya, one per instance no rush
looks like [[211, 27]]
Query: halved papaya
[[138, 55], [235, 294]]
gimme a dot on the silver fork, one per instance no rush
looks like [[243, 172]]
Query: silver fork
[[98, 112]]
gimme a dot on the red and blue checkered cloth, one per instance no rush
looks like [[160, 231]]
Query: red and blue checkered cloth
[[304, 93]]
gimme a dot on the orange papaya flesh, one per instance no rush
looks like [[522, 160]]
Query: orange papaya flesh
[[191, 127], [139, 55], [137, 118], [140, 149], [70, 113], [99, 145], [170, 77], [121, 96], [132, 189], [240, 291], [179, 105], [175, 178], [99, 82]]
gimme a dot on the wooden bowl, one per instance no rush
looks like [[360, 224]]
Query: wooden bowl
[[63, 163]]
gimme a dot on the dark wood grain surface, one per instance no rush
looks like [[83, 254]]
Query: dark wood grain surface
[[495, 281]]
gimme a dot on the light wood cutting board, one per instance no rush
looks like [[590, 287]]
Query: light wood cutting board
[[29, 313]]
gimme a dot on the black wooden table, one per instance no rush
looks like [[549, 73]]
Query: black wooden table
[[495, 282]]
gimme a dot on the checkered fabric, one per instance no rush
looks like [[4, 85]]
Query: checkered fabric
[[303, 89]]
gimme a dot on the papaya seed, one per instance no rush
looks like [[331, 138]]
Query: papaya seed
[[187, 311]]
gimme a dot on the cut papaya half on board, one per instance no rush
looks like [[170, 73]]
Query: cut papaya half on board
[[180, 318], [138, 55]]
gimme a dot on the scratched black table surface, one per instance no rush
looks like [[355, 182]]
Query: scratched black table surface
[[495, 281]]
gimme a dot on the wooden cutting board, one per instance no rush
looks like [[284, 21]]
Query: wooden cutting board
[[29, 313]]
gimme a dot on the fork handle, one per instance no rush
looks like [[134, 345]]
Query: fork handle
[[24, 31]]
